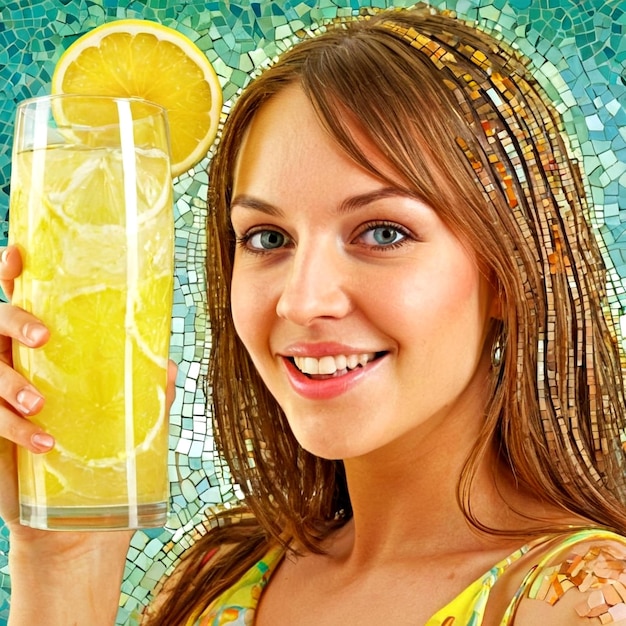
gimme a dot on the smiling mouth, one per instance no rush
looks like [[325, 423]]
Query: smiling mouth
[[332, 366]]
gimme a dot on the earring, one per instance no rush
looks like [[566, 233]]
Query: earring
[[497, 350]]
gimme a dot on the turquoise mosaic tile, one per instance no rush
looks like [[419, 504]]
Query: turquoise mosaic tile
[[578, 50]]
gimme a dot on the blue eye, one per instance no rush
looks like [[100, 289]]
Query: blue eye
[[266, 240], [383, 235]]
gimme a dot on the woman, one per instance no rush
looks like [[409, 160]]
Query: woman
[[418, 390]]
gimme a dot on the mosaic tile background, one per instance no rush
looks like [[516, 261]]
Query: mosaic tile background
[[578, 48]]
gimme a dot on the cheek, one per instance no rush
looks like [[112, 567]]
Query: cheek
[[447, 306], [239, 301], [465, 314], [248, 301]]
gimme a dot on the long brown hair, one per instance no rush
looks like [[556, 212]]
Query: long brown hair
[[461, 121]]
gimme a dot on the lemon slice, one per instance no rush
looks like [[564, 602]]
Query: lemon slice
[[143, 59]]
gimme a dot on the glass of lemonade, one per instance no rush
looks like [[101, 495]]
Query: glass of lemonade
[[91, 211]]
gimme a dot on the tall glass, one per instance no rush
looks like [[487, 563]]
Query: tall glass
[[91, 211]]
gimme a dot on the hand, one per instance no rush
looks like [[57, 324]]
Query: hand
[[66, 571], [18, 398]]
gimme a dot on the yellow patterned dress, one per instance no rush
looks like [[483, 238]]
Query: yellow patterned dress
[[584, 568]]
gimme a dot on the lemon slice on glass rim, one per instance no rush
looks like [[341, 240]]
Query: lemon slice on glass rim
[[144, 59]]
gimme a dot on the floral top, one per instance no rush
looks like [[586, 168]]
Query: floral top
[[237, 605]]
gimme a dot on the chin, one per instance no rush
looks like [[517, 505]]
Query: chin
[[334, 448]]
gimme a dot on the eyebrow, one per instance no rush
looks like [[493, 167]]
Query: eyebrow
[[349, 205]]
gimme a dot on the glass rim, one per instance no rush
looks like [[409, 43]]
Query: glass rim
[[76, 96]]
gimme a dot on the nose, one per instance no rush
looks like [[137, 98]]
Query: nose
[[315, 287]]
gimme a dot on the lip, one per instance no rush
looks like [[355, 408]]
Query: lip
[[327, 388], [318, 350]]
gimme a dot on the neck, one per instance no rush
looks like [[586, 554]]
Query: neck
[[397, 499], [406, 501]]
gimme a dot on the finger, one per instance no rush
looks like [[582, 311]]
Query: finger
[[10, 268], [18, 324], [15, 390], [23, 432]]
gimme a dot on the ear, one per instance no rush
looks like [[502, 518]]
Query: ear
[[495, 310], [496, 306]]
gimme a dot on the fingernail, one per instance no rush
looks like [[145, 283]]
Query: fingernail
[[28, 400], [35, 332], [42, 441], [5, 255]]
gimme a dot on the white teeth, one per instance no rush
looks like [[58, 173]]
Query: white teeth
[[310, 365], [328, 365], [352, 361]]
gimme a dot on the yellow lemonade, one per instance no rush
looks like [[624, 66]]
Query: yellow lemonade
[[96, 236]]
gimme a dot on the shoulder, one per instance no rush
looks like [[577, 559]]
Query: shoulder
[[579, 580]]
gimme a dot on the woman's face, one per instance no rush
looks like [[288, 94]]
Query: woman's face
[[365, 316]]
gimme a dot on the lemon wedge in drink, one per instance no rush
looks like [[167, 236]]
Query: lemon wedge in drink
[[143, 59]]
